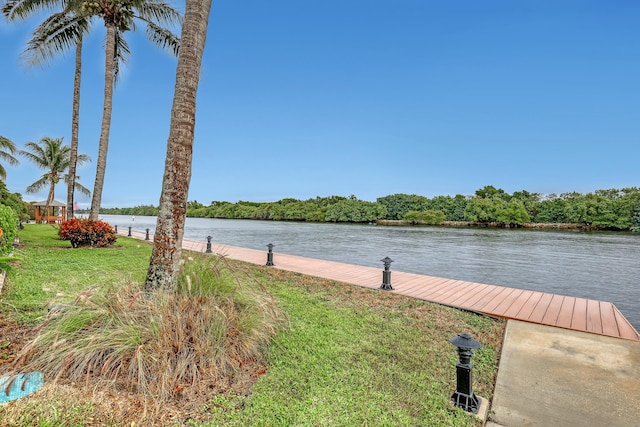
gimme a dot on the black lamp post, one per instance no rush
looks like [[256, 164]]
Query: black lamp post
[[464, 397], [146, 237], [208, 251], [270, 254], [129, 235], [386, 274]]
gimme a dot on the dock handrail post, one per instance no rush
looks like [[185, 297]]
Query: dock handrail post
[[270, 254], [208, 251], [386, 274], [464, 397], [129, 235], [146, 237]]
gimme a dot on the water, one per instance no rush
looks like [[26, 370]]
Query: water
[[597, 265]]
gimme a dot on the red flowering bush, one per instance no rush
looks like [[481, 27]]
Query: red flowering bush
[[87, 232]]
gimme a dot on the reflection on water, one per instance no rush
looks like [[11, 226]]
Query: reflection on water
[[596, 265]]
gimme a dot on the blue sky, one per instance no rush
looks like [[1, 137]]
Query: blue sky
[[306, 98]]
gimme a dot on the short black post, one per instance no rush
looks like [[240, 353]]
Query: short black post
[[116, 228], [464, 397], [386, 274], [208, 251], [270, 254], [129, 235], [147, 235]]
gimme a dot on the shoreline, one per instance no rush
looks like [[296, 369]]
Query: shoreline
[[469, 224]]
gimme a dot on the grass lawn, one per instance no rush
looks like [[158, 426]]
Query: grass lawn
[[349, 356]]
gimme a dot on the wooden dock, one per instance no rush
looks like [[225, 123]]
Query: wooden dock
[[596, 317]]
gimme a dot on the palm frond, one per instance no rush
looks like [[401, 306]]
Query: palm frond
[[34, 153], [15, 10], [39, 184], [7, 145], [121, 54], [56, 34], [82, 159], [163, 38], [78, 187], [81, 188], [7, 157], [7, 151], [157, 11]]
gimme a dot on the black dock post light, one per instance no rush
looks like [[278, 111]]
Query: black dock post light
[[116, 228], [270, 254], [386, 274], [464, 397], [146, 237], [208, 251], [129, 235]]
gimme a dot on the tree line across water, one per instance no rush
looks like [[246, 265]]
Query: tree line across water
[[611, 209]]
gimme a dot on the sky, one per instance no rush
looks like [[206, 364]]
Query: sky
[[307, 98]]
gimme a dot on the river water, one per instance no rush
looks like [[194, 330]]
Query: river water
[[597, 265]]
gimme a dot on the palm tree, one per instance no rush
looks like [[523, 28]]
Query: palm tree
[[118, 17], [65, 29], [49, 154], [55, 35], [7, 153], [166, 253]]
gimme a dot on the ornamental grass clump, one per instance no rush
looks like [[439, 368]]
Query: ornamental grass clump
[[164, 345]]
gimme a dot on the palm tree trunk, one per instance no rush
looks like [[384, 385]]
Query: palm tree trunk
[[101, 164], [167, 244], [50, 197], [75, 119]]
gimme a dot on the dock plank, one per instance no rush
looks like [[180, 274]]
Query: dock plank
[[530, 305], [594, 317], [542, 306], [579, 318]]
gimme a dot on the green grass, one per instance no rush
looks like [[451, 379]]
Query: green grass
[[350, 356], [50, 271]]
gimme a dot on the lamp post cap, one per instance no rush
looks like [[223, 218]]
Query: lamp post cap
[[387, 260], [465, 341]]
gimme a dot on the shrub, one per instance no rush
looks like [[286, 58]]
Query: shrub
[[430, 217], [8, 229], [87, 232]]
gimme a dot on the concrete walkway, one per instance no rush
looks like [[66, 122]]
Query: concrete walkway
[[556, 377]]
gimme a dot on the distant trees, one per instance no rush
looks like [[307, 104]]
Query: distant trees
[[14, 201], [603, 209], [429, 217], [355, 211], [397, 205]]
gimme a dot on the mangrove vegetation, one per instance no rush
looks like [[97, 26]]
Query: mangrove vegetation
[[612, 209]]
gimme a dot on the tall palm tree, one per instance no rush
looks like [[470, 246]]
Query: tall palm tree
[[165, 256], [65, 29], [120, 16], [7, 153], [49, 154], [55, 35]]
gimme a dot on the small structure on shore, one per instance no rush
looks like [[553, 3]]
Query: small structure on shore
[[56, 213]]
